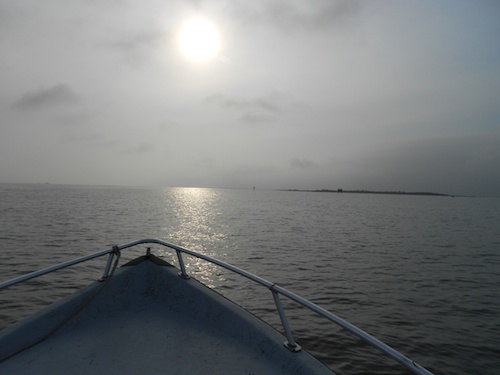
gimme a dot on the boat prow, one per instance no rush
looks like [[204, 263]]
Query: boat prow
[[146, 319]]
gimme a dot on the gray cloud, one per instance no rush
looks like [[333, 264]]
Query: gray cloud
[[257, 110], [250, 174], [89, 139], [454, 165], [60, 94], [139, 40], [255, 117], [295, 16], [266, 105], [302, 163], [140, 46], [140, 148]]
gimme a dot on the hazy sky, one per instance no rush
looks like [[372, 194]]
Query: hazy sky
[[317, 94]]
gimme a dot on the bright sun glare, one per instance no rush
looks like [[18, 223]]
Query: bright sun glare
[[199, 40]]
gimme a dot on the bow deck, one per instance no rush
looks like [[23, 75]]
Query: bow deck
[[147, 319]]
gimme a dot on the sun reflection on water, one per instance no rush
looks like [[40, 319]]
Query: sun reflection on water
[[192, 221]]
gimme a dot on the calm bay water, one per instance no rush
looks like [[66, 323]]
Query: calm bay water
[[420, 273]]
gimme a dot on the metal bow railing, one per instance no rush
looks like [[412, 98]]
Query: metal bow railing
[[114, 253]]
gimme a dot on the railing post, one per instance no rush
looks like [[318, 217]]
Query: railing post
[[108, 267], [290, 344], [183, 272], [106, 274]]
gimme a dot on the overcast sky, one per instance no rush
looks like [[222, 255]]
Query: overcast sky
[[316, 94]]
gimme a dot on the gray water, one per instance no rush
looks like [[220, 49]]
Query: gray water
[[421, 273]]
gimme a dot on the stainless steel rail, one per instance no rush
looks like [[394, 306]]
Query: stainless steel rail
[[275, 289]]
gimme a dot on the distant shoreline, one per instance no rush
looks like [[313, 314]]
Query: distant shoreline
[[342, 191]]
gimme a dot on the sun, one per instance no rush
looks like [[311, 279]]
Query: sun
[[199, 40]]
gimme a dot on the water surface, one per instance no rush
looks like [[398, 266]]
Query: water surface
[[421, 273]]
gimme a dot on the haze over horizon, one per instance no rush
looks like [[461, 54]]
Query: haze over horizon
[[373, 95]]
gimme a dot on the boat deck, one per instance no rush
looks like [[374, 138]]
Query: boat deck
[[146, 319]]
